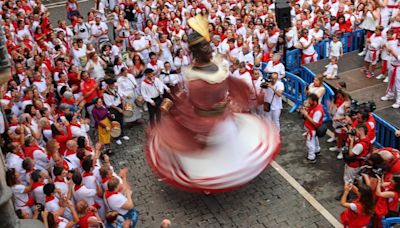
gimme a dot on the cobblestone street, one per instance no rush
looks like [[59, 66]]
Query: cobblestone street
[[268, 201]]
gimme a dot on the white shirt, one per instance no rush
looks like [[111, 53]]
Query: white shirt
[[63, 186], [331, 69], [305, 42], [169, 78], [116, 201], [41, 160], [275, 101], [20, 198], [150, 91], [127, 85], [156, 67], [278, 68], [335, 49], [14, 161], [83, 193], [140, 44], [97, 30], [110, 99]]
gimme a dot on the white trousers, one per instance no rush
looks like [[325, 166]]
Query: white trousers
[[395, 91], [274, 115], [350, 173], [312, 144]]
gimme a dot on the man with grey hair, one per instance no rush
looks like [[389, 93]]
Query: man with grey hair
[[70, 153], [275, 65], [218, 47]]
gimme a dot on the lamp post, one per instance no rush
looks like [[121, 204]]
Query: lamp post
[[8, 218]]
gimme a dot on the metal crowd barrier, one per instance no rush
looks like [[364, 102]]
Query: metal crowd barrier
[[350, 41], [295, 89], [385, 134]]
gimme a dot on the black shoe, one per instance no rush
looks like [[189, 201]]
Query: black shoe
[[308, 161]]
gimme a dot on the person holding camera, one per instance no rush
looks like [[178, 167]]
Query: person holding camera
[[273, 97], [314, 117], [358, 148], [387, 200], [359, 212]]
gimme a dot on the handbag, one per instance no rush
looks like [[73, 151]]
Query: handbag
[[267, 105], [321, 130]]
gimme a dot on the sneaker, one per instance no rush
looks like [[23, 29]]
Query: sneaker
[[331, 140], [334, 148], [396, 105], [125, 138], [381, 76], [118, 142], [361, 53], [386, 80], [309, 161], [387, 98], [340, 155]]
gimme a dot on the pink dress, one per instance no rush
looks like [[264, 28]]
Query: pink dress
[[203, 144]]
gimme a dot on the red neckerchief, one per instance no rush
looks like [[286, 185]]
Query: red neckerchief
[[20, 154], [89, 148], [104, 180], [87, 174], [339, 102], [37, 80], [77, 187], [390, 39], [69, 152], [148, 81], [36, 185], [231, 48], [153, 63], [12, 124], [378, 35], [65, 165], [108, 194], [49, 198], [274, 64], [26, 99], [59, 179], [76, 125]]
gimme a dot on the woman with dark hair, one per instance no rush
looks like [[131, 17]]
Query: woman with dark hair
[[387, 201], [22, 199], [102, 119], [359, 212], [60, 136], [118, 65], [55, 219]]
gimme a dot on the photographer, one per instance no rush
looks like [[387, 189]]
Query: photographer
[[314, 116], [359, 146], [273, 96], [359, 212], [386, 158], [387, 200], [365, 116]]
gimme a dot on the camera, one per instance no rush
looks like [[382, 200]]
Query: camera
[[352, 132], [357, 107], [266, 81], [371, 171]]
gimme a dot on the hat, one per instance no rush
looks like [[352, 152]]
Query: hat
[[148, 71], [200, 26], [110, 81]]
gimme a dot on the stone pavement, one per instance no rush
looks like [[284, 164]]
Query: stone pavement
[[268, 201]]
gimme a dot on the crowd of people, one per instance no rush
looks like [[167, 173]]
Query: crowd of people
[[73, 76]]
